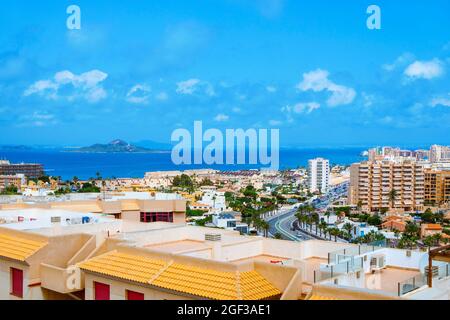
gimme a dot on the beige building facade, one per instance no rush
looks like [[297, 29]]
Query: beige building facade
[[372, 184]]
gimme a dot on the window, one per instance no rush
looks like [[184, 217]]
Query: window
[[156, 216], [17, 282], [131, 295], [101, 291]]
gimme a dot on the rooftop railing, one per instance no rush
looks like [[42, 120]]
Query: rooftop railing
[[439, 272], [334, 257], [346, 265]]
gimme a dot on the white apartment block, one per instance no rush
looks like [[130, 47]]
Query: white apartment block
[[215, 200], [371, 185], [318, 175]]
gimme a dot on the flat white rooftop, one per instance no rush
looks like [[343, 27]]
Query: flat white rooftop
[[29, 219]]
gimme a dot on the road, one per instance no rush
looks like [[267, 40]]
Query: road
[[283, 223]]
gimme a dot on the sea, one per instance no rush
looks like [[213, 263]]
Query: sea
[[134, 165]]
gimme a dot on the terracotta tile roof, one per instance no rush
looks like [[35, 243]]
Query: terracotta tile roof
[[432, 226], [18, 248], [124, 266], [201, 282]]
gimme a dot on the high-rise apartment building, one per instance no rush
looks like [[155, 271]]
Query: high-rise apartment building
[[390, 184], [30, 170], [318, 175], [439, 153], [437, 187]]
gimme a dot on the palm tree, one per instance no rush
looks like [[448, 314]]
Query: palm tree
[[334, 232], [266, 226], [437, 238], [392, 197], [429, 241], [359, 206], [322, 227], [348, 227], [315, 219], [304, 221], [327, 214], [299, 215]]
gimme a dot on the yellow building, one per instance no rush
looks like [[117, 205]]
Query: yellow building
[[437, 187], [372, 183]]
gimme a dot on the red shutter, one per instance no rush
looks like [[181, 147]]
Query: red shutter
[[17, 282], [101, 291], [131, 295]]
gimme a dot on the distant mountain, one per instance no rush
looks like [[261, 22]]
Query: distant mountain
[[116, 146], [150, 144], [15, 148]]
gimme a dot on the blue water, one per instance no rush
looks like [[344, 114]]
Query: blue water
[[86, 165]]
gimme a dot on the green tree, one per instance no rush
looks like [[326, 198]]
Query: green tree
[[335, 232], [10, 190], [392, 197], [374, 220], [322, 227], [278, 236], [348, 227], [428, 216]]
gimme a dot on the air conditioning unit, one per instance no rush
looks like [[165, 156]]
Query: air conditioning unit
[[55, 219], [213, 237], [377, 262]]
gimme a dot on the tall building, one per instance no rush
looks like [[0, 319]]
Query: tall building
[[318, 175], [437, 187], [16, 180], [30, 170], [372, 185], [439, 153]]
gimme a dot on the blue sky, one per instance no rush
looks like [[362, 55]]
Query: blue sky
[[139, 69]]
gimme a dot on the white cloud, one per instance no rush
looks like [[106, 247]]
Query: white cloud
[[271, 89], [440, 101], [303, 107], [275, 122], [387, 120], [37, 119], [86, 85], [318, 81], [188, 86], [95, 94], [41, 87], [399, 62], [192, 86], [210, 90], [425, 69], [306, 107], [139, 94], [162, 96], [236, 110], [368, 99], [221, 117]]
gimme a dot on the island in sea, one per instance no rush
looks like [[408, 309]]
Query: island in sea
[[116, 146]]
